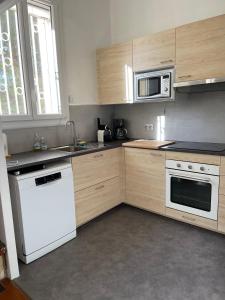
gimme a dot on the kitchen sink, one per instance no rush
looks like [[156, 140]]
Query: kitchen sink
[[88, 146], [70, 148]]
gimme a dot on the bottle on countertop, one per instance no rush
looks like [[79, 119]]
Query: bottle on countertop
[[43, 143], [37, 142]]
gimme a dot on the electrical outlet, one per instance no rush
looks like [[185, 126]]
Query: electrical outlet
[[149, 127]]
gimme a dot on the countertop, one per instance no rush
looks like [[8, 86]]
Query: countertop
[[29, 159], [32, 158]]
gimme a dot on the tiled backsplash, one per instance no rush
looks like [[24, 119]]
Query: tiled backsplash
[[21, 140], [192, 117]]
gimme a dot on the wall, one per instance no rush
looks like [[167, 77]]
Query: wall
[[86, 27], [132, 18], [192, 117], [21, 140]]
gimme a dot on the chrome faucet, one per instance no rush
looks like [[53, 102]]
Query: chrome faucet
[[71, 124]]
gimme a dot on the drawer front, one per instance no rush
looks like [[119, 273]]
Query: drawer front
[[192, 219], [221, 214], [96, 167], [93, 201], [192, 157]]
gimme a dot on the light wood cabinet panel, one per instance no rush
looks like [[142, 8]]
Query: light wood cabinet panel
[[200, 50], [154, 51], [192, 219], [93, 201], [1, 268], [145, 179], [114, 73], [221, 214], [90, 169], [192, 157]]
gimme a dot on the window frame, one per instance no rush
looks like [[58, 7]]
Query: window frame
[[32, 118]]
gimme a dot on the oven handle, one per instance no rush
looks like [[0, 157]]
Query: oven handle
[[191, 178]]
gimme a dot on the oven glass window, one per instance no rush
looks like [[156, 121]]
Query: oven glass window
[[148, 87], [191, 193]]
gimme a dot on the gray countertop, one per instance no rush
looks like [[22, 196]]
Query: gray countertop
[[32, 158]]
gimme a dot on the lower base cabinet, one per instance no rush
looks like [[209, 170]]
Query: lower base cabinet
[[221, 214], [192, 219], [2, 273], [145, 179], [95, 200]]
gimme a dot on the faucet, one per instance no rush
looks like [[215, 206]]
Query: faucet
[[71, 124]]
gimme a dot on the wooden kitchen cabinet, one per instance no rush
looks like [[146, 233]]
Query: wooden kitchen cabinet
[[221, 214], [98, 182], [200, 50], [95, 200], [154, 51], [90, 169], [192, 219], [145, 179], [114, 74]]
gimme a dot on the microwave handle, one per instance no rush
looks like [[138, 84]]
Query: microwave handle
[[191, 178]]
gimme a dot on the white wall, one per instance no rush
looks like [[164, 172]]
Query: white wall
[[86, 27], [134, 18]]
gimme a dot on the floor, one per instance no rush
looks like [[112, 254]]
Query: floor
[[131, 254]]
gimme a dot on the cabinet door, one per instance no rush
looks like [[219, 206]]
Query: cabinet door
[[154, 51], [145, 179], [93, 168], [114, 73], [221, 214], [93, 201], [200, 50]]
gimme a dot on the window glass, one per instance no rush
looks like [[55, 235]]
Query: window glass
[[12, 92], [44, 59]]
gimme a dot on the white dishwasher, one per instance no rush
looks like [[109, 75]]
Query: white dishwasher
[[43, 210]]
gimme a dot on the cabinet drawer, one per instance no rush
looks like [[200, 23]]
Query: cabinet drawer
[[221, 214], [192, 157], [192, 219], [96, 167], [93, 201]]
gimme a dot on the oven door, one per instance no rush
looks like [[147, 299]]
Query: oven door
[[193, 193]]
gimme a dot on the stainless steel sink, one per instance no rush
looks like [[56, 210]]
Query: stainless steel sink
[[70, 148]]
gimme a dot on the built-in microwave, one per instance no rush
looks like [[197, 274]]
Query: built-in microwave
[[154, 86]]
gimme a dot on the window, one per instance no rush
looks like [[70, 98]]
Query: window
[[29, 79]]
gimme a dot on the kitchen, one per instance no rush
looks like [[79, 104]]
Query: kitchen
[[101, 53]]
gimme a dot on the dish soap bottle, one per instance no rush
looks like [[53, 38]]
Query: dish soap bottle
[[37, 142]]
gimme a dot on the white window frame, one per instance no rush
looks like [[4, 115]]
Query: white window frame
[[33, 119]]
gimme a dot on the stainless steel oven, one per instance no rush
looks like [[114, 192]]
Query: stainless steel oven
[[154, 86], [192, 188]]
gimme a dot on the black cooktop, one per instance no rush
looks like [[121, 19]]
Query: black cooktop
[[210, 147]]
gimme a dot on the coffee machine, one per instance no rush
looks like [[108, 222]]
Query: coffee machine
[[119, 130]]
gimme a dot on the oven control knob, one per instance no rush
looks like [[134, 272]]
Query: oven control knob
[[166, 89], [179, 165], [202, 168], [190, 167]]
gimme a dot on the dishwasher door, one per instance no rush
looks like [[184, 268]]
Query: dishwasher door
[[47, 208]]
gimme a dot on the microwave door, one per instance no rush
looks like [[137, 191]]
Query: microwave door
[[149, 87]]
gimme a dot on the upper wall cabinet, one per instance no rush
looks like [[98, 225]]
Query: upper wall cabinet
[[200, 50], [115, 74], [154, 51]]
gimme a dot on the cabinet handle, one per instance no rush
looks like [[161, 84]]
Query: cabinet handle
[[188, 218], [99, 187], [156, 154], [186, 76], [166, 61], [98, 155]]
